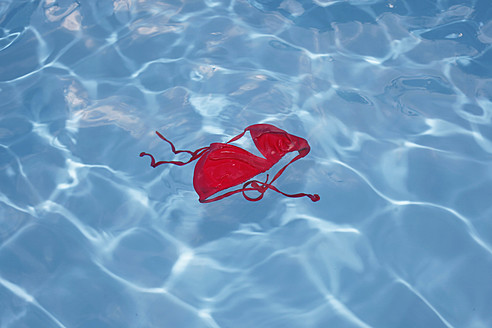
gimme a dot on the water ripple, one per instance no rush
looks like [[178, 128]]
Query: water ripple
[[394, 97]]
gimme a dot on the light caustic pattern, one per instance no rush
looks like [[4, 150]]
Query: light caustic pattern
[[393, 96]]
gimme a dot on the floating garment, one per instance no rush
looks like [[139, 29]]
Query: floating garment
[[221, 165]]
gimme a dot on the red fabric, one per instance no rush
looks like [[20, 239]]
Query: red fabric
[[222, 165]]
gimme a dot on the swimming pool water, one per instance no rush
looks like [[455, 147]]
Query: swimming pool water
[[394, 97]]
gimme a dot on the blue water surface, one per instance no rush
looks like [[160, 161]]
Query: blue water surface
[[394, 97]]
